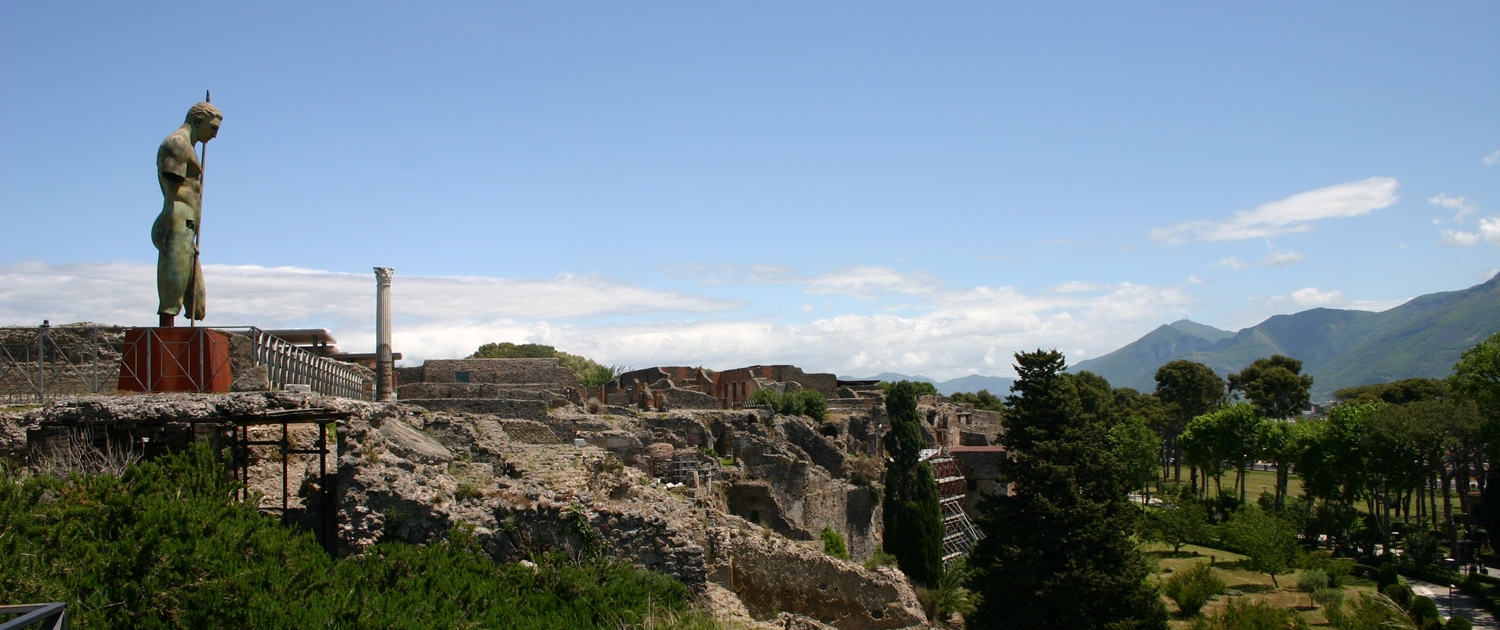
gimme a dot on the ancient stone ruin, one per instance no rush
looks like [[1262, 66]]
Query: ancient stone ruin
[[729, 500]]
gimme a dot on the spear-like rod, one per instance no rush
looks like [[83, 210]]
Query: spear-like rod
[[198, 228]]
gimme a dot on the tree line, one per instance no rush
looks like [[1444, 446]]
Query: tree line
[[1059, 548]]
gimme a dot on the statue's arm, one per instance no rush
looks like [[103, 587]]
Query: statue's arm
[[173, 157]]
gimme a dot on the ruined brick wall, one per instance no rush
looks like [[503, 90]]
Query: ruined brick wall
[[518, 373], [410, 374], [519, 409]]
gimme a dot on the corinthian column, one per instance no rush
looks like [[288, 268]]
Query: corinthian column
[[383, 333]]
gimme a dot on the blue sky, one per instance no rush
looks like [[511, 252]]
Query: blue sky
[[853, 187]]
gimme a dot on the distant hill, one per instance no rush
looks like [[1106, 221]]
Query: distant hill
[[1339, 348], [998, 385]]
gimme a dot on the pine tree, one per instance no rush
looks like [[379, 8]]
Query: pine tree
[[913, 517], [1057, 551]]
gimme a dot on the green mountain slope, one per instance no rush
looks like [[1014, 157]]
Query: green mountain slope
[[1339, 348]]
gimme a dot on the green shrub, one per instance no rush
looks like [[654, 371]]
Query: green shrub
[[949, 596], [1331, 600], [880, 559], [1311, 581], [467, 491], [1458, 623], [165, 546], [1399, 593], [833, 543], [1192, 588], [801, 402], [1242, 615], [1423, 610]]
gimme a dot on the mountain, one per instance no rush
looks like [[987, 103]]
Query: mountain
[[1339, 348], [998, 385]]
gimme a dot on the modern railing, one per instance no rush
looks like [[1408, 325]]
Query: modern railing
[[39, 365]]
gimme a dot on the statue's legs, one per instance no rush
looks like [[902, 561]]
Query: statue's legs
[[176, 266]]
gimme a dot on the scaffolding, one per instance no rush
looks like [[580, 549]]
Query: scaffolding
[[959, 532]]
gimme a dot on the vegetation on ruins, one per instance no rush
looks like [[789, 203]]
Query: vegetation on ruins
[[164, 545], [949, 596], [589, 373], [798, 402], [1057, 551], [920, 388], [913, 518], [833, 543], [981, 399]]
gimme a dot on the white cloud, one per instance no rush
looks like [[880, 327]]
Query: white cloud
[[1232, 263], [1461, 206], [1311, 297], [943, 332], [1194, 280], [1492, 159], [870, 282], [1460, 238], [1489, 228], [1282, 259], [1290, 215]]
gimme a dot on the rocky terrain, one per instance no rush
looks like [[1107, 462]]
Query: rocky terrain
[[729, 502]]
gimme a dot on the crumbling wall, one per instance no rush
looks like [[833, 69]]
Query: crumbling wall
[[545, 374], [521, 409], [770, 575]]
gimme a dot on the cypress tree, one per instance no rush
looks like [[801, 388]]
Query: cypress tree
[[1057, 551], [913, 517]]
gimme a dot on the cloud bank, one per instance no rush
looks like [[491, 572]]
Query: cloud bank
[[1290, 215], [941, 331]]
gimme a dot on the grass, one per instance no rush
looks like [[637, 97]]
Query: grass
[[1240, 583]]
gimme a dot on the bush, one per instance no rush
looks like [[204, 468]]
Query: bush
[[880, 559], [1399, 593], [165, 545], [1192, 588], [833, 543], [800, 402], [949, 596], [1423, 610], [1458, 623], [1243, 615], [1311, 581], [1386, 575], [1331, 600]]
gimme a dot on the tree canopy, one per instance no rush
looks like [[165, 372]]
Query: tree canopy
[[1057, 551], [1186, 389], [1275, 385], [913, 517]]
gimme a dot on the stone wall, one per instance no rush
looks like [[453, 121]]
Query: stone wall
[[520, 409], [472, 390], [545, 374], [770, 575]]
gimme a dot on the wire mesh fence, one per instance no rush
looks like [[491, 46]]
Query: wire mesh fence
[[39, 365]]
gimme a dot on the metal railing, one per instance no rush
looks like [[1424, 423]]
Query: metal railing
[[42, 364], [287, 364], [51, 616]]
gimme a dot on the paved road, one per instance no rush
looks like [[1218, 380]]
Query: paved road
[[1461, 603]]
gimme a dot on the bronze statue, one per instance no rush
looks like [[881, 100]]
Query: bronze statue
[[179, 274]]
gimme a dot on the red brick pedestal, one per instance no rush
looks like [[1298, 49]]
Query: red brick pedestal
[[175, 360]]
